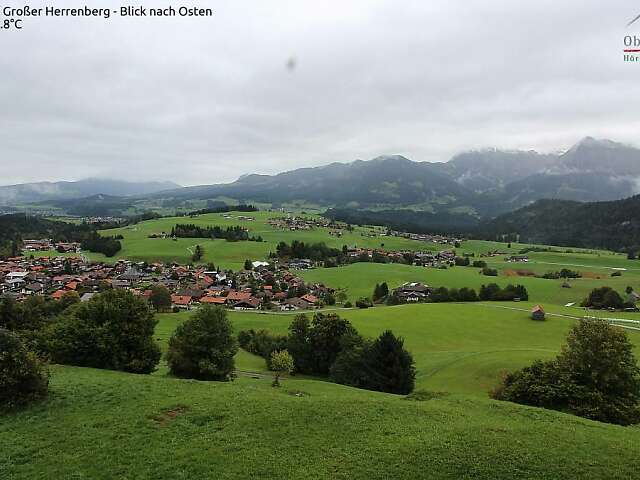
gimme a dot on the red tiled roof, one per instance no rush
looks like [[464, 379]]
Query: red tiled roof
[[234, 296], [309, 298], [213, 300], [181, 299]]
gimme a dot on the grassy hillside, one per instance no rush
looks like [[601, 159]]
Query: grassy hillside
[[462, 348], [137, 245], [104, 425], [359, 279]]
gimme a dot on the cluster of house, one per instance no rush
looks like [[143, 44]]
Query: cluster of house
[[242, 218], [262, 287], [303, 223], [420, 258], [424, 237], [106, 219], [43, 245], [517, 259]]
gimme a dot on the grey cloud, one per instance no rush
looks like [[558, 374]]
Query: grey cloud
[[206, 100]]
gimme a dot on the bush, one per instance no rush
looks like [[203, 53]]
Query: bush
[[462, 261], [595, 376], [23, 378], [603, 297], [203, 347], [490, 272], [113, 330], [382, 365], [281, 363], [315, 345], [479, 264], [262, 343], [364, 303], [160, 298], [493, 292]]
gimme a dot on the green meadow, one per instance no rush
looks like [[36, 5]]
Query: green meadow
[[103, 425], [461, 348], [137, 244]]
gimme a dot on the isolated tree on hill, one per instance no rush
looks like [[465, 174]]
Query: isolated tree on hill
[[282, 364], [113, 330], [380, 291], [198, 253], [351, 365], [595, 376], [315, 345], [23, 378], [299, 344], [203, 347], [382, 365], [376, 293], [160, 298], [391, 365]]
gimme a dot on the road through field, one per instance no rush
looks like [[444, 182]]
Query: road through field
[[585, 266], [615, 321]]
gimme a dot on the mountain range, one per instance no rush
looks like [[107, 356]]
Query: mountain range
[[12, 195], [481, 183], [470, 187]]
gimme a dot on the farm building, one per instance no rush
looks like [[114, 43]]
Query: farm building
[[537, 313]]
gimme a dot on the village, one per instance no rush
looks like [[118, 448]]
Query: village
[[263, 286]]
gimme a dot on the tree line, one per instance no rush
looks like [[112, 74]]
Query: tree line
[[231, 234], [329, 346], [96, 243]]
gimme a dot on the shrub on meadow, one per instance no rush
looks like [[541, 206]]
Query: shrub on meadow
[[204, 346], [595, 376], [23, 378], [113, 330]]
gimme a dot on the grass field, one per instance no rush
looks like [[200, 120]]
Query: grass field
[[102, 425], [137, 245], [462, 348], [359, 279], [105, 425]]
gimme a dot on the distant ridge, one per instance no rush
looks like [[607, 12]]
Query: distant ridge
[[44, 191]]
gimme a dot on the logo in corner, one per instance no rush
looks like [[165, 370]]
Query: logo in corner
[[632, 45]]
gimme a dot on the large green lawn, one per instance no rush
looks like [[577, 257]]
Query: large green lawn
[[462, 348], [137, 245], [103, 425], [106, 425], [359, 280]]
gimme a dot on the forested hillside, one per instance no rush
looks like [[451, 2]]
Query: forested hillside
[[611, 225]]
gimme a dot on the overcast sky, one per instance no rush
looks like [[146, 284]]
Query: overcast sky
[[205, 100]]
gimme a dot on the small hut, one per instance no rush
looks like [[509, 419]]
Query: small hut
[[537, 313]]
